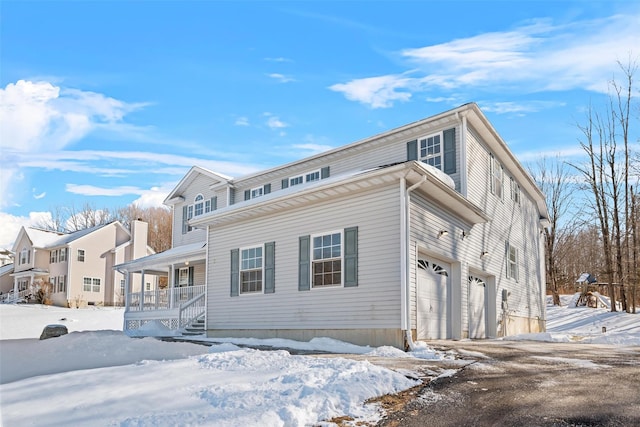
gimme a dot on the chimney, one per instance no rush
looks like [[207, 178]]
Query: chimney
[[139, 232]]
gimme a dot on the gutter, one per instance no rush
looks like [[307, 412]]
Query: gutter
[[405, 267]]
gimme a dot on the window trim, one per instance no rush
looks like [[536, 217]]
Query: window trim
[[261, 269], [512, 266], [198, 205], [496, 176], [515, 191], [256, 192], [91, 282], [427, 157], [312, 259]]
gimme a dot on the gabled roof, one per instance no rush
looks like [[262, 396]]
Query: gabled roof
[[46, 239], [176, 194]]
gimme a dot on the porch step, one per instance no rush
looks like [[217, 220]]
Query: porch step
[[195, 328]]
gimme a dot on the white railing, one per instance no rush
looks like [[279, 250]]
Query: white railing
[[191, 310], [175, 308], [163, 299], [12, 297]]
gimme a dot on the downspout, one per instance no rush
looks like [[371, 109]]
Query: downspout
[[463, 156], [405, 267]]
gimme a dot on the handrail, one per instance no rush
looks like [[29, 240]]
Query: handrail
[[191, 310]]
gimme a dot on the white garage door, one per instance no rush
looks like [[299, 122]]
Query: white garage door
[[432, 300], [477, 307]]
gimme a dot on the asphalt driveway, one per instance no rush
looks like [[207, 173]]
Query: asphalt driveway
[[502, 383]]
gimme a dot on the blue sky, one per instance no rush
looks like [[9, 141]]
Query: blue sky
[[109, 103]]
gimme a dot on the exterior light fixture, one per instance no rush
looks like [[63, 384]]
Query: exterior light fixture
[[442, 233], [484, 254]]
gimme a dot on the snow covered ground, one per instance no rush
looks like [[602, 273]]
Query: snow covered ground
[[97, 376]]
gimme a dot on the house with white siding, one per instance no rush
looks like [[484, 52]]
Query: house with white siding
[[76, 269], [429, 231]]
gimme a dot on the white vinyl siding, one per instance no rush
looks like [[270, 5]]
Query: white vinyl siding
[[198, 189], [376, 213]]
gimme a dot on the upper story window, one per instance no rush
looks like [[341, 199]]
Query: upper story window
[[497, 176], [198, 205], [53, 256], [296, 180], [81, 255], [515, 191], [306, 177], [251, 270], [257, 192], [431, 150], [312, 176], [62, 257], [25, 256]]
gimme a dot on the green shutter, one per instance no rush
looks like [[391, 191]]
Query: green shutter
[[304, 263], [449, 151], [214, 203], [269, 267], [235, 272], [351, 257], [324, 172], [176, 278], [285, 183], [232, 196], [184, 219], [412, 150], [190, 276], [267, 188], [247, 194]]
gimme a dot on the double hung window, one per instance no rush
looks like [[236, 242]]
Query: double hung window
[[431, 151], [497, 175], [81, 255], [327, 260], [251, 270], [512, 261]]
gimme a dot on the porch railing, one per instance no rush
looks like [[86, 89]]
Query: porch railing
[[175, 308], [163, 299], [12, 297]]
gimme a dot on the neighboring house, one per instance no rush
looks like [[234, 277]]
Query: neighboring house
[[429, 231], [76, 267]]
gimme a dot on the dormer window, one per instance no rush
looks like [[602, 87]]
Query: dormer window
[[312, 176], [431, 150], [257, 192]]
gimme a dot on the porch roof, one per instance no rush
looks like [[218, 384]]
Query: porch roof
[[161, 261]]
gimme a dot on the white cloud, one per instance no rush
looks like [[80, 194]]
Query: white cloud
[[153, 197], [377, 92], [242, 121], [37, 118], [92, 190], [278, 59], [11, 225], [312, 148], [275, 123], [39, 195], [39, 115], [537, 56], [281, 78], [518, 108]]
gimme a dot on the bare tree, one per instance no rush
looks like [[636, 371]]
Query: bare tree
[[606, 174], [68, 219], [159, 220], [554, 180]]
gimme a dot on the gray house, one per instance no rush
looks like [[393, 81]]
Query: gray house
[[429, 231]]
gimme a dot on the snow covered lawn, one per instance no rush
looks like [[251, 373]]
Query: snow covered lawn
[[97, 376]]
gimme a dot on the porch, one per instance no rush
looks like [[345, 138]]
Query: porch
[[176, 302], [163, 311]]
